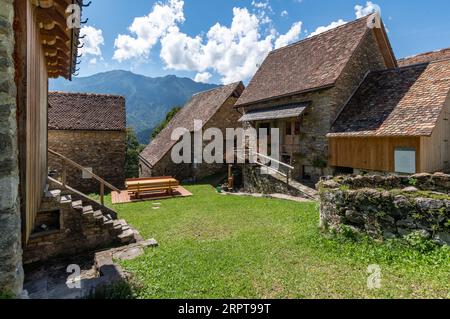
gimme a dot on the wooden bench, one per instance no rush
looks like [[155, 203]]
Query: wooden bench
[[139, 186]]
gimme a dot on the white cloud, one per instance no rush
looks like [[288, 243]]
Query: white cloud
[[93, 61], [284, 13], [148, 30], [332, 25], [360, 11], [291, 36], [233, 52], [369, 8], [92, 41], [202, 77]]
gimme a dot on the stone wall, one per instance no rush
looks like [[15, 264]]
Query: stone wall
[[225, 117], [388, 206], [103, 151], [11, 272], [256, 183], [77, 233]]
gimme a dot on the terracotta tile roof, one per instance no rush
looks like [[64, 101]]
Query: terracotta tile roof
[[310, 64], [83, 111], [398, 102], [202, 106], [425, 57]]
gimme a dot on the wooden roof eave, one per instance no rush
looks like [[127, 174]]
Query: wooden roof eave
[[60, 43]]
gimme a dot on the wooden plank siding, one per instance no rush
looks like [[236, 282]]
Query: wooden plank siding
[[435, 150], [371, 153], [377, 153], [36, 122]]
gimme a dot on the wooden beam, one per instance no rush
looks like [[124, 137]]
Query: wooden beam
[[55, 32]]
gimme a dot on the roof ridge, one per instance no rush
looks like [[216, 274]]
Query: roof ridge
[[86, 94], [320, 34], [415, 65], [217, 87], [423, 53]]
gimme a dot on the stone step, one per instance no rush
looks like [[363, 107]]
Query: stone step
[[98, 215], [120, 223], [125, 227], [77, 204], [87, 209], [307, 191], [65, 199], [127, 236]]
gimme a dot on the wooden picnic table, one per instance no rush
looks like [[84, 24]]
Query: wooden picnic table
[[138, 186]]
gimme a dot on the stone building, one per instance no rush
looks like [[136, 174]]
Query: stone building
[[30, 53], [322, 87], [302, 88], [36, 44], [215, 109], [90, 129]]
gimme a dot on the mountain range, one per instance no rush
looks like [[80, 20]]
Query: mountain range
[[147, 99]]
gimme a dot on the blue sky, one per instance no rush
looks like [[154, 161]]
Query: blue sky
[[220, 41]]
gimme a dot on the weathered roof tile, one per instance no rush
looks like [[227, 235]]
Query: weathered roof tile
[[405, 101], [201, 107], [310, 64], [425, 57], [83, 111]]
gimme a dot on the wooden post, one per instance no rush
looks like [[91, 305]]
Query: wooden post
[[102, 194], [64, 173]]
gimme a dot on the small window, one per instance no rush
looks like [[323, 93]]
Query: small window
[[86, 175], [288, 128], [297, 128], [405, 160]]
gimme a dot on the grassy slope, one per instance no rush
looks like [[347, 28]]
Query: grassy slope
[[215, 246]]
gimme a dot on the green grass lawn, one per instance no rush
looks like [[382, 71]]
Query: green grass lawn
[[216, 246]]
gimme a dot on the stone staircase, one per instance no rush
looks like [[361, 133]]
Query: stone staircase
[[302, 188], [259, 179], [84, 225]]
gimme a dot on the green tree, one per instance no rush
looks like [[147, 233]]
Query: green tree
[[166, 121], [132, 155]]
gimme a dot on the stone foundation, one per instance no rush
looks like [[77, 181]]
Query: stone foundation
[[388, 206], [11, 272]]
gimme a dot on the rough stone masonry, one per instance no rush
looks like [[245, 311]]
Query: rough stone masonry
[[11, 272], [388, 206]]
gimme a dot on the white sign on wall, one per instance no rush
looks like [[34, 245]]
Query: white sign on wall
[[86, 175], [405, 160]]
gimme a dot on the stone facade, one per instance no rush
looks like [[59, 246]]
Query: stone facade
[[225, 117], [11, 272], [326, 104], [388, 206], [103, 151]]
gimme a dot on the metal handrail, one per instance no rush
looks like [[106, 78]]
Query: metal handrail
[[102, 182]]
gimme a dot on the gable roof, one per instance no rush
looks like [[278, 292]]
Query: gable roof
[[202, 106], [85, 111], [307, 65], [397, 102], [425, 57]]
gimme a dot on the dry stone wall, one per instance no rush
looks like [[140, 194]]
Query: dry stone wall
[[388, 206]]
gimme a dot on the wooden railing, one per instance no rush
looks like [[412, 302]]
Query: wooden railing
[[249, 153], [65, 162]]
